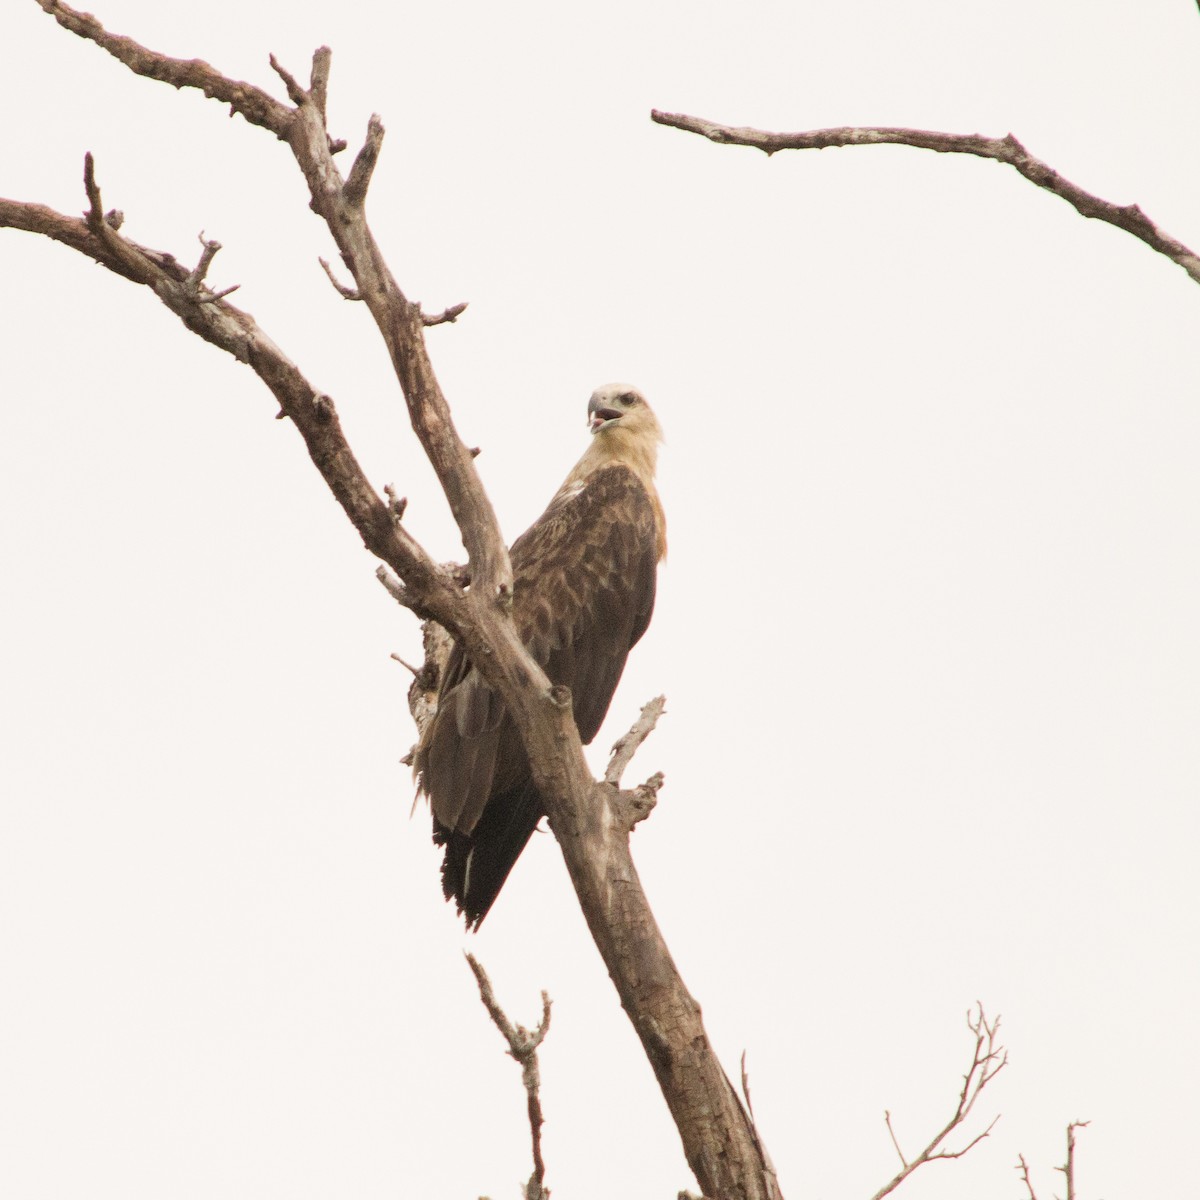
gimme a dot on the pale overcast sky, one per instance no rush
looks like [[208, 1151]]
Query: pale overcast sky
[[928, 629]]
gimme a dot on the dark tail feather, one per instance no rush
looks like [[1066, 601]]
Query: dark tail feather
[[477, 864]]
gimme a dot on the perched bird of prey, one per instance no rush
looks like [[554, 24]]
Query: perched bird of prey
[[583, 591]]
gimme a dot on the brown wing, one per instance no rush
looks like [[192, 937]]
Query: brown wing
[[583, 588], [583, 592]]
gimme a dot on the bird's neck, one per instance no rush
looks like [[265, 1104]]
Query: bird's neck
[[635, 450], [618, 447]]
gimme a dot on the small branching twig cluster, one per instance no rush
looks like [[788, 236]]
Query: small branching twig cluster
[[987, 1061]]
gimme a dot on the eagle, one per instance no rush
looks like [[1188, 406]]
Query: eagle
[[583, 590]]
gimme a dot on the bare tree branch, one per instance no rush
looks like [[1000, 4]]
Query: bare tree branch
[[523, 1046], [1006, 150], [447, 317], [987, 1061], [887, 1118], [237, 333], [209, 251], [1068, 1169], [586, 817], [627, 744], [252, 103], [347, 293], [399, 321], [1023, 1167]]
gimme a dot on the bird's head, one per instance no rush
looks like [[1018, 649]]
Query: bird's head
[[625, 432], [621, 410]]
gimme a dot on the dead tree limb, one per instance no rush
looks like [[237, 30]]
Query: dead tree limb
[[1007, 149], [626, 746], [236, 332], [523, 1046], [987, 1061], [585, 815]]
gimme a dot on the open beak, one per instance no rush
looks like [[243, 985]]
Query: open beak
[[598, 418]]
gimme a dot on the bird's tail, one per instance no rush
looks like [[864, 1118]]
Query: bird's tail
[[476, 865]]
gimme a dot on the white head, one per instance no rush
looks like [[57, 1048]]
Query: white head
[[620, 409], [626, 431]]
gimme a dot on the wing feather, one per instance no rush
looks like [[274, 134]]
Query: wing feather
[[583, 592]]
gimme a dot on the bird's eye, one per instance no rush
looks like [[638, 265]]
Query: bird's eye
[[630, 399]]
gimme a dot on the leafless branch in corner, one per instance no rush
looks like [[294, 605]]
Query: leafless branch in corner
[[1007, 149], [627, 744], [987, 1061], [523, 1046]]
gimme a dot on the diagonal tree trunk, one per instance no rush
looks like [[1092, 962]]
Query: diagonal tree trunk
[[591, 820]]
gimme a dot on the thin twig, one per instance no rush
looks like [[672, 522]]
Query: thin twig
[[347, 293], [627, 744], [1006, 150], [1069, 1168], [209, 251], [1023, 1167], [132, 261], [523, 1046], [207, 297], [987, 1062], [887, 1118], [746, 1089], [446, 317], [296, 94], [95, 212], [392, 585]]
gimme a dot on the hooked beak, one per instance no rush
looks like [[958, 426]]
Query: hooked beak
[[599, 418]]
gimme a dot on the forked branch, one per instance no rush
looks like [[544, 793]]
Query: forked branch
[[718, 1140], [987, 1061], [523, 1046], [1067, 1169], [340, 204], [211, 317], [627, 744], [1007, 149]]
